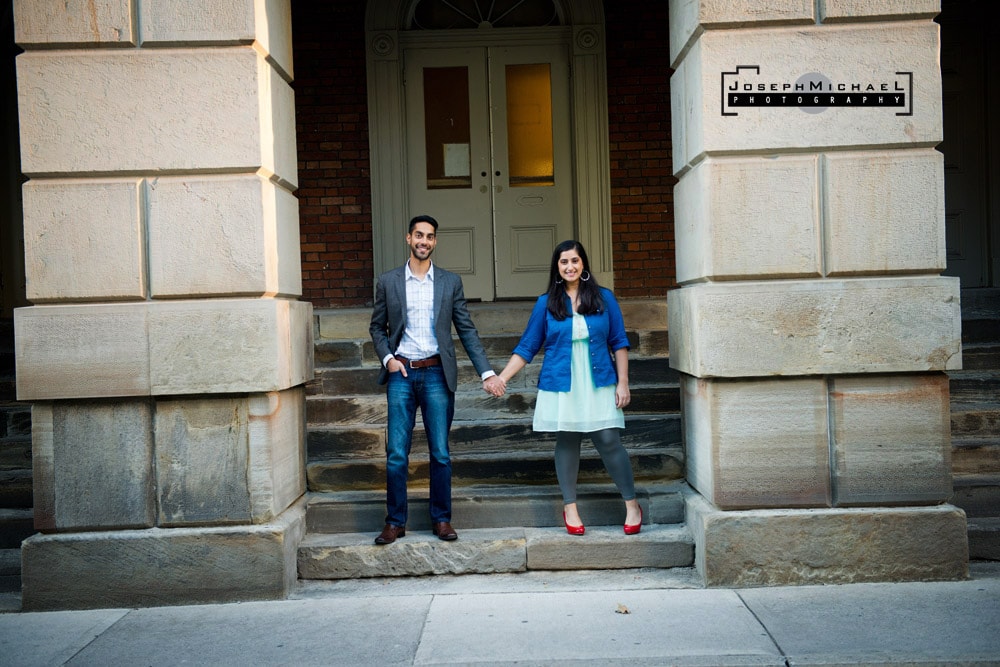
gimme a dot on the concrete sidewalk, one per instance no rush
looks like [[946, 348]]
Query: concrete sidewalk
[[537, 618]]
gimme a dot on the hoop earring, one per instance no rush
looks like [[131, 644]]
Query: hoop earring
[[587, 278], [559, 282]]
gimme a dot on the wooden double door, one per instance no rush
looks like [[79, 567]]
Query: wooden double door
[[489, 156]]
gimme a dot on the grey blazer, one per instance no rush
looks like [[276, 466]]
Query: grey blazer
[[389, 321]]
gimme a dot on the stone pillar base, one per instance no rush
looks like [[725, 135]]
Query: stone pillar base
[[776, 547], [143, 568]]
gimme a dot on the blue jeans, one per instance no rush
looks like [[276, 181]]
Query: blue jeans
[[424, 388]]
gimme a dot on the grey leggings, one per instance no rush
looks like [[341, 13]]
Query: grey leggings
[[609, 444]]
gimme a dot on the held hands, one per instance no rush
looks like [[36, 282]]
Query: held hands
[[495, 386]]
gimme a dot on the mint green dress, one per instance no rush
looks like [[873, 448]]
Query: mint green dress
[[584, 408]]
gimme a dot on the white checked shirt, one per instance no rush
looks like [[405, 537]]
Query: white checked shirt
[[419, 341]]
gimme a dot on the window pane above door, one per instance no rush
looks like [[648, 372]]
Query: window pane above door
[[529, 125], [446, 127], [464, 14]]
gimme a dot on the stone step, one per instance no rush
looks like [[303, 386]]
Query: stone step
[[15, 421], [974, 386], [493, 506], [975, 421], [491, 318], [514, 405], [10, 570], [15, 453], [979, 330], [975, 456], [16, 525], [984, 356], [663, 464], [495, 437], [15, 488], [354, 353], [984, 538], [977, 494], [363, 380], [493, 550], [361, 351]]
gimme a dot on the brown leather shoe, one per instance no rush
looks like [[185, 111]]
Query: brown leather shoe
[[390, 533], [444, 531]]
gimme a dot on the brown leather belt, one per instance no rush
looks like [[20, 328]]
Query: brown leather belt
[[420, 363]]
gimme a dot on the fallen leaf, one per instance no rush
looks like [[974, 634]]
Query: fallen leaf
[[622, 609]]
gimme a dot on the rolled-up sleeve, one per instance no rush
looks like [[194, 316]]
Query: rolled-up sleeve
[[617, 337], [534, 333]]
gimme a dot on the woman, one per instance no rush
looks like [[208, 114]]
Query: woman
[[580, 391]]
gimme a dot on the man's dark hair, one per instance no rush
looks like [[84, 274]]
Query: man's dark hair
[[422, 218]]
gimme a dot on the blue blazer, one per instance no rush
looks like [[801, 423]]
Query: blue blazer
[[607, 335], [389, 321]]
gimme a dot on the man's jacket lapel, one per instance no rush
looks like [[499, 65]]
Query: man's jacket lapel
[[438, 295], [399, 286]]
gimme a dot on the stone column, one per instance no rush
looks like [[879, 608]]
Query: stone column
[[165, 350], [813, 327]]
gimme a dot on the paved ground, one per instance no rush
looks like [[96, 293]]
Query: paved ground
[[634, 617]]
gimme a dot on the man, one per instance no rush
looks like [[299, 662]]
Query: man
[[415, 306]]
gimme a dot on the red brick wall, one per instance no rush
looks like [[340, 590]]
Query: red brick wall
[[642, 184], [332, 136], [331, 114]]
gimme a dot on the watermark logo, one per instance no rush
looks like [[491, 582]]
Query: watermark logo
[[814, 92]]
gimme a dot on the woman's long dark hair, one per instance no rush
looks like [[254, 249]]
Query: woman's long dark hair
[[589, 294]]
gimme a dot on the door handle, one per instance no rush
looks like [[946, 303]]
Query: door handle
[[482, 188], [499, 188]]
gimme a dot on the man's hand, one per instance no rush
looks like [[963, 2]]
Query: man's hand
[[395, 365], [495, 386]]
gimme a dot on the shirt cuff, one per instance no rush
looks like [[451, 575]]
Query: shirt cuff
[[488, 374], [385, 361]]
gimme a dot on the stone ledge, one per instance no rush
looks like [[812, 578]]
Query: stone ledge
[[492, 507], [352, 555], [828, 546], [46, 24], [493, 550], [156, 348], [607, 547], [816, 327], [219, 109], [688, 19], [842, 11], [155, 567]]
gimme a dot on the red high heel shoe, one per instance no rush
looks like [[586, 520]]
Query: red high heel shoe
[[573, 530], [634, 529]]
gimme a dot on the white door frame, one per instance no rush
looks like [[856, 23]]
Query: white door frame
[[583, 31]]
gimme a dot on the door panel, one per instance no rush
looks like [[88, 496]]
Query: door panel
[[473, 115], [533, 193], [448, 159]]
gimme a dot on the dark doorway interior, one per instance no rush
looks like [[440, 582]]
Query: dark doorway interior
[[970, 56]]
